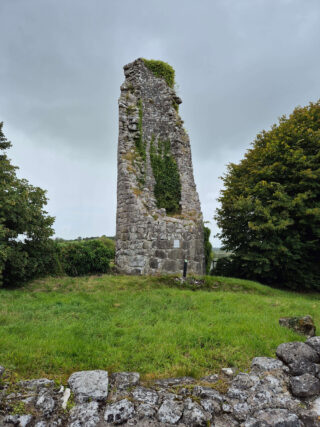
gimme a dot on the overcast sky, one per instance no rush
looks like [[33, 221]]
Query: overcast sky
[[240, 64]]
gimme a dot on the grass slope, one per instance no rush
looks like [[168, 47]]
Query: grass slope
[[55, 326]]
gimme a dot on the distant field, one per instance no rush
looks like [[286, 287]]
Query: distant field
[[219, 253], [55, 326]]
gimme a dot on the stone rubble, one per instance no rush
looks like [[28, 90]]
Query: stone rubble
[[275, 392]]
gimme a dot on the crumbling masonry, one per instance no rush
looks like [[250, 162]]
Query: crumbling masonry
[[159, 219]]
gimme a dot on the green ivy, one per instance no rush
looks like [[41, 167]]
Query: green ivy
[[167, 189], [161, 69]]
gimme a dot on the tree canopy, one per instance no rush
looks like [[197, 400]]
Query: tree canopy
[[270, 204], [25, 227]]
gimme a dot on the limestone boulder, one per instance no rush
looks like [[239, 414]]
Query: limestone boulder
[[303, 325], [314, 342], [145, 410], [89, 385], [85, 414], [119, 412], [169, 382], [124, 380], [225, 420], [273, 418], [37, 384], [170, 412], [195, 415], [266, 364], [19, 420], [300, 367], [45, 402], [305, 385], [290, 352], [309, 418], [145, 395]]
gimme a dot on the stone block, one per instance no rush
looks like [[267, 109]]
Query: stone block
[[153, 263], [160, 254], [170, 266], [176, 254], [89, 385]]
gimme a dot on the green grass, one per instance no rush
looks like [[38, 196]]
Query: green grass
[[161, 69], [55, 326]]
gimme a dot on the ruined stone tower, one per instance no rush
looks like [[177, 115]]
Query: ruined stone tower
[[159, 219]]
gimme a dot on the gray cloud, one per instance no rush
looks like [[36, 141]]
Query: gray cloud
[[240, 64]]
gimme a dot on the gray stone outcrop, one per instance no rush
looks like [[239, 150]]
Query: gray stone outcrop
[[268, 395], [148, 239], [303, 325]]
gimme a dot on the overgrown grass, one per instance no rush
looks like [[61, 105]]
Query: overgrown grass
[[161, 69], [156, 326]]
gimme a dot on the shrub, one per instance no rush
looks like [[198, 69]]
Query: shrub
[[86, 257], [227, 267], [27, 260]]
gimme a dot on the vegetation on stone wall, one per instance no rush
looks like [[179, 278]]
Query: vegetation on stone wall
[[161, 69], [270, 205], [167, 189], [175, 105]]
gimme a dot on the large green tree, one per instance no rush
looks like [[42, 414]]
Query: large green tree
[[270, 204], [25, 227]]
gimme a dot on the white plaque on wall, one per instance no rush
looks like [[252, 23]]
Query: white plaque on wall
[[176, 243]]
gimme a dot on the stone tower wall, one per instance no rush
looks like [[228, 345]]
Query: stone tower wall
[[148, 240]]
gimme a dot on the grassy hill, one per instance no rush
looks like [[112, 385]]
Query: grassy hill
[[153, 325]]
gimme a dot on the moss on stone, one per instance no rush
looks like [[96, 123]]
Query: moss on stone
[[161, 69], [175, 105]]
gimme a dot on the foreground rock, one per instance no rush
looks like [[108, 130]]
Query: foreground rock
[[314, 342], [290, 352], [305, 385], [89, 385], [302, 325], [278, 393]]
